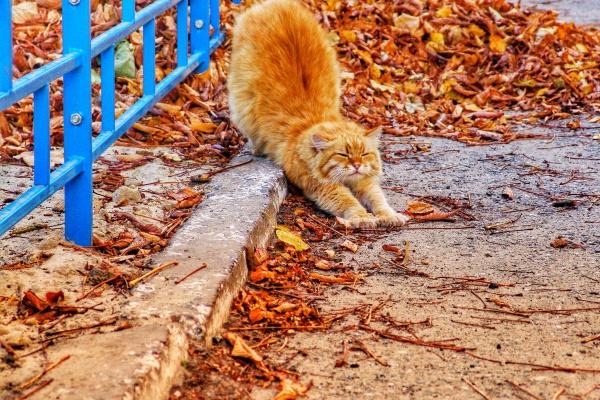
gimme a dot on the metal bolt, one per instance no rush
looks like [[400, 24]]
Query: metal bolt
[[76, 119], [198, 23], [73, 2]]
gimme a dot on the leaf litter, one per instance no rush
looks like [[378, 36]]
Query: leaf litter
[[469, 71]]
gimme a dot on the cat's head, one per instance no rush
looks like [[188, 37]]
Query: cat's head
[[344, 151]]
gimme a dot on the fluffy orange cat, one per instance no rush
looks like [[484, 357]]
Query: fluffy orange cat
[[284, 95]]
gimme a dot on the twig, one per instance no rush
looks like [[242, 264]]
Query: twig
[[260, 328], [477, 390], [591, 339], [86, 294], [517, 386], [7, 347], [363, 347], [541, 367], [472, 324], [36, 389], [44, 372], [343, 360], [480, 299], [493, 310], [108, 321], [177, 282], [418, 342], [325, 225], [156, 270], [558, 393]]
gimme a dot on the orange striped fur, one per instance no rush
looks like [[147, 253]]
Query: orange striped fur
[[284, 95]]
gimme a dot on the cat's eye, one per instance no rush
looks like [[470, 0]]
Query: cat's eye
[[365, 154], [342, 154]]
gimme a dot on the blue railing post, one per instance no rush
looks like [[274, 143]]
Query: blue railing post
[[215, 17], [182, 33], [5, 46], [199, 32], [107, 88], [128, 10], [149, 58], [41, 136], [78, 121]]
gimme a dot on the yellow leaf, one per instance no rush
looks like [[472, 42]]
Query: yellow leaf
[[437, 38], [581, 48], [443, 12], [476, 30], [375, 71], [169, 108], [364, 55], [287, 236], [471, 107], [447, 85], [542, 92], [407, 21], [204, 127], [411, 87], [350, 36], [497, 44]]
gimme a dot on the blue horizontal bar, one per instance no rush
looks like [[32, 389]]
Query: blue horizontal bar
[[34, 80], [33, 197], [139, 108], [124, 29]]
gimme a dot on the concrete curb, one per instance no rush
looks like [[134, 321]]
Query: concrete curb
[[143, 362]]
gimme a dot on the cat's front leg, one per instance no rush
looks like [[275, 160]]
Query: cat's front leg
[[371, 195], [338, 200]]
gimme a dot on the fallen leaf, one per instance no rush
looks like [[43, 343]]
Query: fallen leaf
[[351, 246], [290, 390], [24, 12], [241, 348], [419, 208], [285, 235]]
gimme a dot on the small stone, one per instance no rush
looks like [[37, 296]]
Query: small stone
[[330, 253], [50, 242], [353, 247], [126, 194]]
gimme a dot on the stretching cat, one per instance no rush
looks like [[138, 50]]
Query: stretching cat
[[284, 90]]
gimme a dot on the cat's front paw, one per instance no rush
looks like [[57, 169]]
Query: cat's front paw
[[362, 220], [392, 218]]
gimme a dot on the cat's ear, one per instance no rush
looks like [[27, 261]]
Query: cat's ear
[[374, 133], [321, 141]]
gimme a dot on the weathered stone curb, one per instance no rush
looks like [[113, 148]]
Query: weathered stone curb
[[143, 362]]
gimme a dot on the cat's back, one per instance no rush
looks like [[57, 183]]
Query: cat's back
[[282, 67]]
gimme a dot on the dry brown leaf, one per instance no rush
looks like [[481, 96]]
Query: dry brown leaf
[[351, 246], [290, 390], [419, 208], [241, 348]]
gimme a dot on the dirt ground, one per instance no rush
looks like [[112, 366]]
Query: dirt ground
[[492, 282], [520, 313]]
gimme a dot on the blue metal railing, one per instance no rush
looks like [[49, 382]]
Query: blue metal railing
[[80, 149]]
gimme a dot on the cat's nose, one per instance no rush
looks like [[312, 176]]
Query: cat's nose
[[356, 165]]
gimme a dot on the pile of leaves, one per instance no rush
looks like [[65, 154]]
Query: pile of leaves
[[449, 68], [192, 119], [452, 68]]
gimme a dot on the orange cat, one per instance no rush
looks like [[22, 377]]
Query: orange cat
[[284, 91]]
